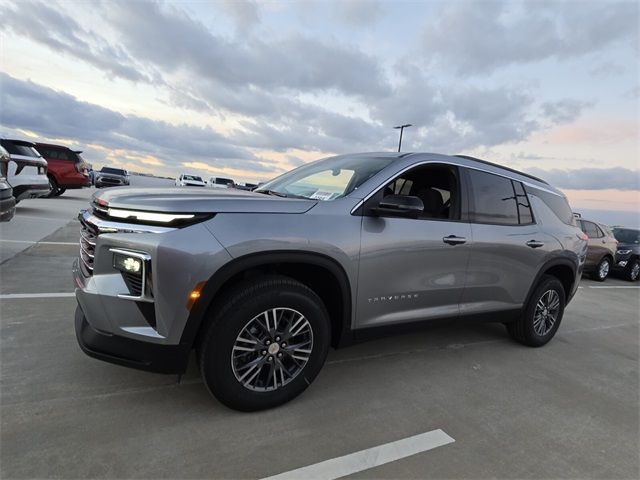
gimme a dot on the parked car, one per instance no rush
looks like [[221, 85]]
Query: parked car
[[27, 170], [188, 180], [247, 186], [7, 200], [66, 168], [602, 249], [262, 283], [111, 177], [219, 182], [627, 260]]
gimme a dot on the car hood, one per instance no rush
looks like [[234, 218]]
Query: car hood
[[628, 246], [182, 200]]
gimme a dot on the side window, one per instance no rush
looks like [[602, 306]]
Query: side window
[[590, 229], [493, 199], [525, 216], [436, 185], [558, 205]]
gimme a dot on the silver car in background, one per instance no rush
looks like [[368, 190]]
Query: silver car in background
[[26, 170], [261, 284]]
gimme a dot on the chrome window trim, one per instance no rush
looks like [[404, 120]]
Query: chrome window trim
[[456, 164]]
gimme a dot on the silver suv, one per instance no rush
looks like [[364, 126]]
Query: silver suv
[[262, 283]]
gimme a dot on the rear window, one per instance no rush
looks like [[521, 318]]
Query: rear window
[[558, 205], [498, 200], [16, 148], [59, 154], [115, 171], [224, 181]]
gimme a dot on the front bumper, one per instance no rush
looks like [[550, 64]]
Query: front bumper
[[129, 352]]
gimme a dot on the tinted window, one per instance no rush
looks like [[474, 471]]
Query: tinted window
[[558, 205], [590, 229], [224, 181], [115, 171], [435, 185], [18, 148], [493, 199]]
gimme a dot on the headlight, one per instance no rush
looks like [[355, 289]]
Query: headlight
[[148, 216], [623, 252]]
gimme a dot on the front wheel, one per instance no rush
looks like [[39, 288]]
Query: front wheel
[[265, 343], [542, 315], [632, 273], [602, 270]]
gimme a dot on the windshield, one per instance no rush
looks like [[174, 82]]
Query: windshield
[[626, 235], [327, 179], [116, 171]]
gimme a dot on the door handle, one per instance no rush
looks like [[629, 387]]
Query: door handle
[[535, 244], [454, 240]]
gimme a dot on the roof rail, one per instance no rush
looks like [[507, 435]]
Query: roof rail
[[503, 167]]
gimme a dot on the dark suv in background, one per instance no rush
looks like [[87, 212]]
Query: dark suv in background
[[262, 283], [627, 261], [67, 169]]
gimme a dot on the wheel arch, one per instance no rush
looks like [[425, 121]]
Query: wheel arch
[[561, 268], [321, 273]]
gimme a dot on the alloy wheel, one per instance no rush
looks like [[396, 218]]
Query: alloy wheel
[[272, 349], [546, 312], [603, 271], [635, 271]]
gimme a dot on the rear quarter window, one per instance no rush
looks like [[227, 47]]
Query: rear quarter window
[[558, 205]]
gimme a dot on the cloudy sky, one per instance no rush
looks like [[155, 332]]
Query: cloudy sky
[[251, 89]]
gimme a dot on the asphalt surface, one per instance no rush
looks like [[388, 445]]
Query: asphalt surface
[[567, 410]]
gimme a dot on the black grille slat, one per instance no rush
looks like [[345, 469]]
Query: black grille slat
[[134, 282]]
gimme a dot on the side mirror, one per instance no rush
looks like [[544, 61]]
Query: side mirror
[[399, 206]]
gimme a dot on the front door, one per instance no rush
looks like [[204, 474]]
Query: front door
[[414, 268]]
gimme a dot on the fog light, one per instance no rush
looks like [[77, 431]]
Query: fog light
[[127, 264]]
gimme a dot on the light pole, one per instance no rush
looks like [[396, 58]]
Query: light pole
[[402, 127]]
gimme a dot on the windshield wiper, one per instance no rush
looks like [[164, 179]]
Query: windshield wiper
[[281, 194]]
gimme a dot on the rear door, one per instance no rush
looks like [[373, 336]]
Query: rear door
[[414, 268], [508, 246]]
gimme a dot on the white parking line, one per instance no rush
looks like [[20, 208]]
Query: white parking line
[[369, 458], [9, 296], [611, 286], [31, 242]]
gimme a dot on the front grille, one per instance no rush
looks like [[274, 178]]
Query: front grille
[[112, 181], [88, 237]]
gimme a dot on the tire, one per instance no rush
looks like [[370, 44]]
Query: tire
[[53, 187], [525, 330], [602, 270], [632, 272], [60, 191], [223, 354]]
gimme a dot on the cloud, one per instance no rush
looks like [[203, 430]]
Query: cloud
[[617, 178], [243, 12], [563, 111], [61, 33], [479, 37], [53, 114], [358, 13]]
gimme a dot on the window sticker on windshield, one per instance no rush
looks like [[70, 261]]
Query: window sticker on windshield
[[321, 195]]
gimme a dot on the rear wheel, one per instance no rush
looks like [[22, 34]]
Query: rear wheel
[[542, 315], [265, 343], [632, 272], [60, 191], [53, 187], [602, 270]]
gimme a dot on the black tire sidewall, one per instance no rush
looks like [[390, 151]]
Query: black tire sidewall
[[54, 186], [630, 269], [217, 346], [532, 337]]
